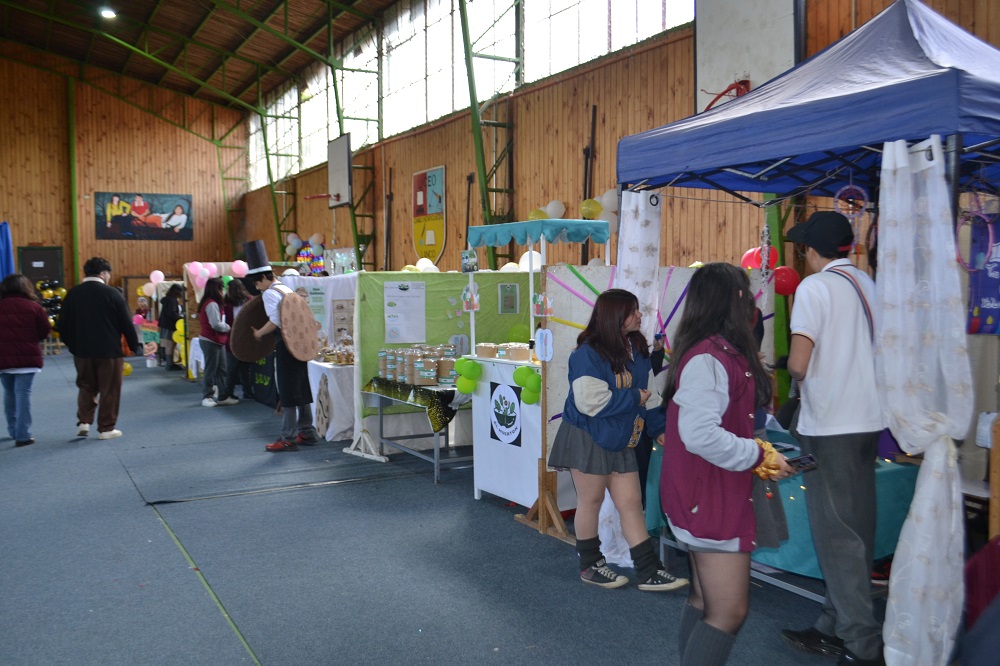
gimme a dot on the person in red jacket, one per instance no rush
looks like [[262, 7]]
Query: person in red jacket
[[714, 383], [23, 325]]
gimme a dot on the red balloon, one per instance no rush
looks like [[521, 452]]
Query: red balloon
[[786, 280], [751, 258], [772, 257]]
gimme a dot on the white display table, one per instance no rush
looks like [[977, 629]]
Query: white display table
[[505, 454], [340, 387]]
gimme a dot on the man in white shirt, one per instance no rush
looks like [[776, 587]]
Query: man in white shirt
[[832, 356]]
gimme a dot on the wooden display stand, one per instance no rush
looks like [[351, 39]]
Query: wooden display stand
[[52, 346], [544, 514]]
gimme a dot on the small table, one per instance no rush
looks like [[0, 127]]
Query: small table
[[340, 390], [441, 404]]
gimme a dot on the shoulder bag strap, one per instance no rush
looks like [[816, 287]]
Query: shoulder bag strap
[[864, 301]]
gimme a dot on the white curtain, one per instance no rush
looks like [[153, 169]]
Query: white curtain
[[926, 382], [639, 252], [638, 259]]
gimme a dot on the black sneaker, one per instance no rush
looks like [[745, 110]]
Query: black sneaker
[[813, 641], [662, 581], [600, 575]]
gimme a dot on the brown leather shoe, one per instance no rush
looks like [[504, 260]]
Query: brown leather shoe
[[813, 641], [27, 442]]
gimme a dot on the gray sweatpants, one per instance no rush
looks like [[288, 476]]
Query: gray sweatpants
[[840, 500]]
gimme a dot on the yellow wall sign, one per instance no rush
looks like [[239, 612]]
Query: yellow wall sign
[[429, 213]]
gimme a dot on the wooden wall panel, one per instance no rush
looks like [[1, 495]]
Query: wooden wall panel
[[118, 148], [34, 174], [829, 20]]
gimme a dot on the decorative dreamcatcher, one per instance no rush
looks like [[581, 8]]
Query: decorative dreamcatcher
[[851, 201], [974, 231]]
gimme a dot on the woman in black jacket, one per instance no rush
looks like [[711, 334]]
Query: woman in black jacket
[[170, 314], [23, 326]]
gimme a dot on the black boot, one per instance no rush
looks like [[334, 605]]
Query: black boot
[[707, 646]]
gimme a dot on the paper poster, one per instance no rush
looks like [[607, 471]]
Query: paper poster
[[405, 307]]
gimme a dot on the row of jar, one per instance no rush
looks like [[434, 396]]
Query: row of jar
[[420, 365]]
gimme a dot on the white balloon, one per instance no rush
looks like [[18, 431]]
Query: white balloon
[[536, 261], [424, 262], [290, 250], [609, 201], [509, 267], [295, 243], [555, 209], [596, 261], [293, 237], [611, 219], [316, 239]]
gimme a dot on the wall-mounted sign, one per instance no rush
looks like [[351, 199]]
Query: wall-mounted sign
[[429, 213]]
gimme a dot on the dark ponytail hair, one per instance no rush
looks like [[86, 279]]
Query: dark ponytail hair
[[716, 306]]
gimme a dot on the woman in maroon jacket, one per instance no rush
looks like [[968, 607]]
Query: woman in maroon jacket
[[23, 325]]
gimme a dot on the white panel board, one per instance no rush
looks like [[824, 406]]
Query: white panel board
[[338, 171]]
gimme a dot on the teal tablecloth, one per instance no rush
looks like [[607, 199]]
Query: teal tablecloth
[[894, 484]]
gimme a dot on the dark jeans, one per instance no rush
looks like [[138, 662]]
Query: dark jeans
[[236, 371], [215, 367]]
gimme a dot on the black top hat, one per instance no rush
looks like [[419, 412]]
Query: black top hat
[[256, 257]]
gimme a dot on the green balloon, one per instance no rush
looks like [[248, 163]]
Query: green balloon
[[460, 363], [226, 279], [518, 333], [534, 383], [522, 375], [529, 397], [471, 370], [465, 385]]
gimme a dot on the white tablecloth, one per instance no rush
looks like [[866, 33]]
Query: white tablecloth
[[196, 359], [340, 386]]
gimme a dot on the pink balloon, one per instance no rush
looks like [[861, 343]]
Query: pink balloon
[[200, 281], [156, 277], [240, 268], [212, 269], [137, 319], [194, 267], [149, 288]]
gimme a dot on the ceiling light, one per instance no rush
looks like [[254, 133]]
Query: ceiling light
[[108, 13]]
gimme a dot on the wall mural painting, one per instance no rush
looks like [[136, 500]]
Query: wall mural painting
[[138, 216]]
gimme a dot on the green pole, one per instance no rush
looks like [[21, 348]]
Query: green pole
[[775, 225]]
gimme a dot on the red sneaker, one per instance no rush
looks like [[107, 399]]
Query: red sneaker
[[306, 441], [281, 445]]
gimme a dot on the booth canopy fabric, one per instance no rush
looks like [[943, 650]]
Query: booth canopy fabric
[[906, 74], [554, 231]]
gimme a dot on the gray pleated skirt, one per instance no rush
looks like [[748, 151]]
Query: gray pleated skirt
[[575, 449]]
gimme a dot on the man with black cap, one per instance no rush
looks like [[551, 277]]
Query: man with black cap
[[291, 374], [832, 356]]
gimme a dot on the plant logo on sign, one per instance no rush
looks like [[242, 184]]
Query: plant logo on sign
[[505, 413]]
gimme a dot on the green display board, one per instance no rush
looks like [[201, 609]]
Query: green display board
[[444, 317]]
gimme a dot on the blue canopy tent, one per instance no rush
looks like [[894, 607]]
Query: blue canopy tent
[[906, 74]]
